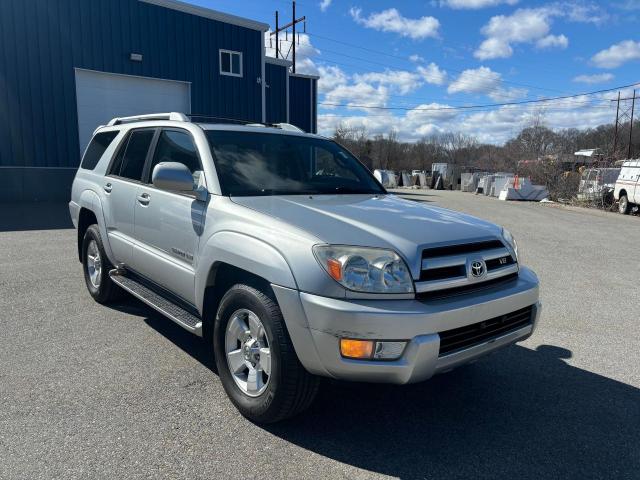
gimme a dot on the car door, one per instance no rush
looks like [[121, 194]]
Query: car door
[[168, 225], [120, 187]]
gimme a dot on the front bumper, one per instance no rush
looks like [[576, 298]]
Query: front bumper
[[316, 325]]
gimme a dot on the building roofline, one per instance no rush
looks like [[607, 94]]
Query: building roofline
[[209, 13], [304, 75], [278, 61]]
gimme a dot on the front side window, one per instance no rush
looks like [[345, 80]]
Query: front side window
[[176, 146], [99, 144], [250, 164], [129, 163], [230, 63]]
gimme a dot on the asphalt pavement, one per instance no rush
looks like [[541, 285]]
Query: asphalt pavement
[[88, 391]]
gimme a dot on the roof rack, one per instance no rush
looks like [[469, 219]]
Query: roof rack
[[248, 123], [288, 126], [174, 116]]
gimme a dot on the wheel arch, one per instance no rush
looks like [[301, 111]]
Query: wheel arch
[[232, 255], [91, 207]]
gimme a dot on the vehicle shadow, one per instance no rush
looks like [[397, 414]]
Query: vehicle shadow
[[15, 217], [519, 413]]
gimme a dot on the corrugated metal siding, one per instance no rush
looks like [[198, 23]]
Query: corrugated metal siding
[[276, 93], [42, 41], [300, 103], [314, 106]]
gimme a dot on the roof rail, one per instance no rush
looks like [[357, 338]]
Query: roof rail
[[287, 126], [174, 116]]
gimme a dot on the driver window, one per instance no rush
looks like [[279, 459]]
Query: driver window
[[176, 146]]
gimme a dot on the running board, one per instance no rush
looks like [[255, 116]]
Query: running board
[[174, 312]]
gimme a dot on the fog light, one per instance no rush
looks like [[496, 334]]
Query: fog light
[[389, 350], [362, 349]]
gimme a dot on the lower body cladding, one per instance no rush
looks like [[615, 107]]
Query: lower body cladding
[[439, 335]]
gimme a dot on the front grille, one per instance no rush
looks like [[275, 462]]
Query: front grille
[[442, 273], [461, 249], [467, 289], [447, 269], [471, 335]]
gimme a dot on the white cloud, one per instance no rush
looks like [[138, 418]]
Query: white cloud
[[401, 81], [391, 20], [533, 25], [478, 80], [305, 51], [591, 79], [357, 95], [511, 94], [524, 26], [617, 54], [330, 78], [550, 41], [491, 126], [493, 48], [475, 4], [415, 58], [324, 4], [583, 12], [433, 74]]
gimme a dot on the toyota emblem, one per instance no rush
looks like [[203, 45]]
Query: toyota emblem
[[478, 268]]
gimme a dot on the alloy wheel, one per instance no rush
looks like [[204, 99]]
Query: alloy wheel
[[248, 353]]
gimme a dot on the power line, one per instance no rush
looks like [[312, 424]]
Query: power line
[[488, 105], [407, 60]]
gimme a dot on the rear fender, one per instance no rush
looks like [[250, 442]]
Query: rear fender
[[91, 201]]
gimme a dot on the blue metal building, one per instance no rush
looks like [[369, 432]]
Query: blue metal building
[[67, 66]]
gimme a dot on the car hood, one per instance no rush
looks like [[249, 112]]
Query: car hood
[[385, 221]]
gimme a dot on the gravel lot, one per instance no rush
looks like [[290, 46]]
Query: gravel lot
[[88, 391]]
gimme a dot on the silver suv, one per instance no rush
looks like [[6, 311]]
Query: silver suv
[[285, 254]]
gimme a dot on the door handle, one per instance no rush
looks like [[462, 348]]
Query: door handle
[[108, 187], [144, 199]]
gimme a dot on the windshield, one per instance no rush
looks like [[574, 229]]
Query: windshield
[[250, 164]]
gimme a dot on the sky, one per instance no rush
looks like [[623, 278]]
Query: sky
[[411, 65]]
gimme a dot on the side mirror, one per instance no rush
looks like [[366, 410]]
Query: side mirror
[[172, 176]]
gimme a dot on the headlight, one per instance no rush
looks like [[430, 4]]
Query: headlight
[[506, 234], [362, 269]]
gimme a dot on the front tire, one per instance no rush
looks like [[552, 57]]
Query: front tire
[[96, 268], [624, 206], [257, 364]]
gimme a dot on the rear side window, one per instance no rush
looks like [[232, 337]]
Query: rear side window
[[99, 143], [176, 146], [129, 162]]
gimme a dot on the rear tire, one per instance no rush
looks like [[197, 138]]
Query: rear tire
[[96, 267], [257, 364], [624, 207]]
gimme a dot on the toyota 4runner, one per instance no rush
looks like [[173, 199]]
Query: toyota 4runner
[[285, 254]]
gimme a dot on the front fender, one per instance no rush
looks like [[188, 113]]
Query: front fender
[[245, 252]]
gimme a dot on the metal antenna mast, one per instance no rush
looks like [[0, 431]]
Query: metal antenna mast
[[292, 24]]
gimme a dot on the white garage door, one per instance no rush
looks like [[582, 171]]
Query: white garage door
[[102, 96]]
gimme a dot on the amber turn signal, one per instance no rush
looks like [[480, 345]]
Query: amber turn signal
[[362, 349], [335, 269]]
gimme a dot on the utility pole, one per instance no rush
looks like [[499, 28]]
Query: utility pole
[[292, 24], [293, 40], [625, 113], [615, 133], [278, 47], [633, 104]]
